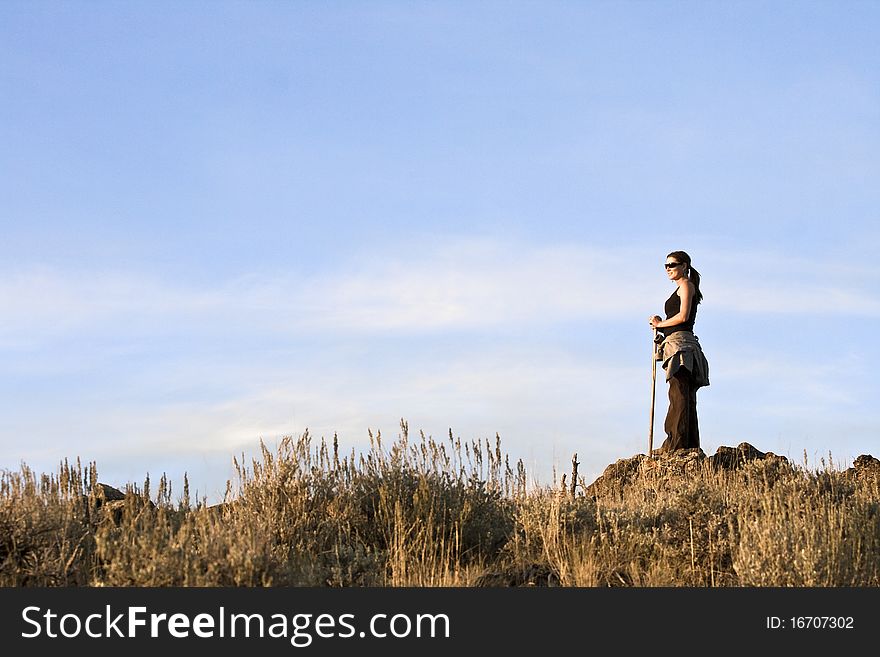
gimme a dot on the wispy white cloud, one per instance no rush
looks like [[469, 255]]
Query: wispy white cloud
[[456, 286], [44, 301], [476, 285], [460, 285]]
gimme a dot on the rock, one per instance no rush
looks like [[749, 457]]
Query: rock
[[679, 461], [616, 477], [110, 504], [730, 458], [623, 472], [865, 469], [865, 463], [620, 474], [113, 511], [220, 509], [105, 493]]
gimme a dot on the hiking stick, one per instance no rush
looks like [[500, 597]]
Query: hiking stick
[[653, 391]]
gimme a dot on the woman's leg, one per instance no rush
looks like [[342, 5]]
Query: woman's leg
[[681, 418], [693, 424]]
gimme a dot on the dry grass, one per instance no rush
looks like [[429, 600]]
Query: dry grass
[[441, 513]]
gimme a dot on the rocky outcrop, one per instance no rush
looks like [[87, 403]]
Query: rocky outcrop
[[617, 476], [109, 504], [220, 509], [105, 493], [620, 474], [729, 458], [866, 469]]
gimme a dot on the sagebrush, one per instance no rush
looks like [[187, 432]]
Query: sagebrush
[[440, 513]]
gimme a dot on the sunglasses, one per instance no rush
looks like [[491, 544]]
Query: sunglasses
[[672, 265]]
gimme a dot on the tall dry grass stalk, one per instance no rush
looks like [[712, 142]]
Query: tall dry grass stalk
[[441, 513]]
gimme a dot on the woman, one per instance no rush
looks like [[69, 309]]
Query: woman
[[686, 366]]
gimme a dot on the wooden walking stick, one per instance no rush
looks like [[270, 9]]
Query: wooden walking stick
[[653, 391]]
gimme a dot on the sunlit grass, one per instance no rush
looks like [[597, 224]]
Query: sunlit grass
[[442, 513]]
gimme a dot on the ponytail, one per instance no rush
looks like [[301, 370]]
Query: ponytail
[[694, 277]]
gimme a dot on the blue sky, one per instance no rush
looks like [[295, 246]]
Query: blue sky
[[226, 222]]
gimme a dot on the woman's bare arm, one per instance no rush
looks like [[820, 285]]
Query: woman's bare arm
[[686, 293]]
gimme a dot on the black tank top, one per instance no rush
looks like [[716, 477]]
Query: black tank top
[[672, 308]]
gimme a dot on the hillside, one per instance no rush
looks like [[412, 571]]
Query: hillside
[[431, 513]]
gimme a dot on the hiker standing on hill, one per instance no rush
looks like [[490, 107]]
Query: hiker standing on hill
[[686, 366]]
